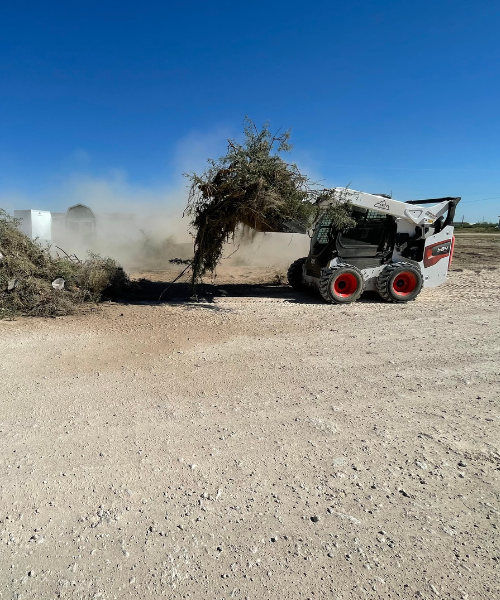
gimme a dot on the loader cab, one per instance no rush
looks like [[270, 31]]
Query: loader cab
[[368, 244]]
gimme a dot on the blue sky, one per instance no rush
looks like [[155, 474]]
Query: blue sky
[[109, 101]]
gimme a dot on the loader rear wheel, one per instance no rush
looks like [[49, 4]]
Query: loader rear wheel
[[294, 274], [341, 284], [400, 282]]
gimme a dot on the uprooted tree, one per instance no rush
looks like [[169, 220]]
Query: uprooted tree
[[254, 187]]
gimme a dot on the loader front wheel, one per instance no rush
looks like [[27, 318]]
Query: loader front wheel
[[294, 274], [400, 282], [341, 284]]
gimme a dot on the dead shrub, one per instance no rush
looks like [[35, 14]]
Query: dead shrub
[[27, 271]]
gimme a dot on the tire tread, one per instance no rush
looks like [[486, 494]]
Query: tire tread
[[294, 274], [385, 276], [325, 279]]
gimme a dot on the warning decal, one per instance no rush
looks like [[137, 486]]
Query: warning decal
[[382, 204]]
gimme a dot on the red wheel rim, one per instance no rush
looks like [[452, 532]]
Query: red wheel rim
[[404, 283], [345, 285]]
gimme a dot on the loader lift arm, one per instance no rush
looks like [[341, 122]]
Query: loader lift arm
[[412, 210]]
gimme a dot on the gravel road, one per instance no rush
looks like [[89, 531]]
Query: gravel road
[[263, 445]]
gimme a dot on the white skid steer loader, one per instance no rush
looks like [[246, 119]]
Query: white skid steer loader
[[395, 248]]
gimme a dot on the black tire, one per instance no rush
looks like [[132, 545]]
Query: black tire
[[294, 274], [341, 284], [400, 282]]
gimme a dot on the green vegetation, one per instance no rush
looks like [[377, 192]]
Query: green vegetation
[[476, 227], [27, 271]]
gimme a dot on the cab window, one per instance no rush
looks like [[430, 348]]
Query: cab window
[[368, 231]]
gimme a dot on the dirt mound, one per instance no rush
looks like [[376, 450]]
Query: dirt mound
[[35, 283]]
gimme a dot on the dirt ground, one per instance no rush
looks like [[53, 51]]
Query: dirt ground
[[258, 444]]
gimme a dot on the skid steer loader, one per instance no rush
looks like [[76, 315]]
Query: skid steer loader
[[395, 248]]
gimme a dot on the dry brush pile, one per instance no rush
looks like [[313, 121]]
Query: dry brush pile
[[28, 274], [254, 187]]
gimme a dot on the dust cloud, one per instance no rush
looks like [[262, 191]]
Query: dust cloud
[[266, 249], [147, 241], [138, 243]]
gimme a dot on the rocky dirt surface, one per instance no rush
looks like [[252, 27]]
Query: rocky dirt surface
[[258, 445]]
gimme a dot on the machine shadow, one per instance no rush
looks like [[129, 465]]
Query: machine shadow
[[146, 291]]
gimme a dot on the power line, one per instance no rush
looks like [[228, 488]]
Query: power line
[[419, 169], [481, 200], [482, 193]]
